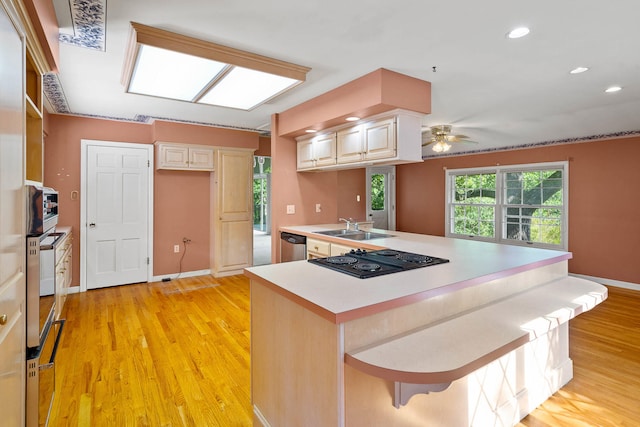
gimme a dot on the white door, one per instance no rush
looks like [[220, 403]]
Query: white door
[[117, 207], [381, 197]]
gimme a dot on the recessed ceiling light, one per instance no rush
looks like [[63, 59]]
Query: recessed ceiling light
[[518, 32], [579, 70], [310, 131], [352, 119], [613, 89]]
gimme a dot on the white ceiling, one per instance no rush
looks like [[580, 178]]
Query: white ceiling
[[499, 92]]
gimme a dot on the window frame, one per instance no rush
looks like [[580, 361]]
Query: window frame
[[501, 206]]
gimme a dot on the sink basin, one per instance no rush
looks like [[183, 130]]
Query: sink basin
[[335, 232], [364, 235], [354, 234]]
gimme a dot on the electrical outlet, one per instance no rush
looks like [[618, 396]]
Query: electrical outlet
[[291, 209], [176, 249], [186, 240]]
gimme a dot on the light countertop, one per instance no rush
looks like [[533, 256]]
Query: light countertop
[[340, 297]]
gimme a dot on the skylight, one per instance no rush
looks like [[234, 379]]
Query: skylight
[[169, 65]]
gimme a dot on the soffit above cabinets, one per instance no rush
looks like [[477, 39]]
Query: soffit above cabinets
[[374, 93]]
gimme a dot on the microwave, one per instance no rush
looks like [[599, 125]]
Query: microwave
[[42, 210]]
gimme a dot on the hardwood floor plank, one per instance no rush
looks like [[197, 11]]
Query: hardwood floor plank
[[178, 354]]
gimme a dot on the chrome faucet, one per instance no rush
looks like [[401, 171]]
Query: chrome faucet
[[349, 222]]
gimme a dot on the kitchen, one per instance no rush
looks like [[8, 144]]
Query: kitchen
[[599, 250]]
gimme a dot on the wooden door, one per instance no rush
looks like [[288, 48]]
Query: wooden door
[[117, 213], [12, 236], [232, 210]]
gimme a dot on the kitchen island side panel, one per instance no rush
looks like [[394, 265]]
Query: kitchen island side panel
[[296, 363], [396, 321]]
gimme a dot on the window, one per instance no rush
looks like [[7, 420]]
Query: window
[[377, 192], [522, 204]]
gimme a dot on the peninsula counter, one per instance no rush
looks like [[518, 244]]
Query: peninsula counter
[[480, 340]]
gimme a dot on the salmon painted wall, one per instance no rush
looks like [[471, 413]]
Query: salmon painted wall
[[352, 183], [604, 231], [181, 199], [303, 190]]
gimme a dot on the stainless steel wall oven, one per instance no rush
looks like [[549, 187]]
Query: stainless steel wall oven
[[43, 332]]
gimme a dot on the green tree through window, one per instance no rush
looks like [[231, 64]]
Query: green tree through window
[[377, 192], [509, 204]]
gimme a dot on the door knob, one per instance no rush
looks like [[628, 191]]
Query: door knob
[[92, 225], [3, 320]]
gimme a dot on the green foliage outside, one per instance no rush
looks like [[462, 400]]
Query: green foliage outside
[[260, 191], [532, 199], [377, 192]]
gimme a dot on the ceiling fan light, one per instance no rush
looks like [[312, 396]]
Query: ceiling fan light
[[579, 70], [516, 33], [437, 147]]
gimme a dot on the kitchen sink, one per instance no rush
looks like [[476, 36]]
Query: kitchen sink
[[354, 234], [335, 232]]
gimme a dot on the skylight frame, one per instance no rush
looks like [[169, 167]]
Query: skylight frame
[[143, 35]]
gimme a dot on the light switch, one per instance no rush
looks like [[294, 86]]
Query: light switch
[[318, 207], [291, 209], [358, 198]]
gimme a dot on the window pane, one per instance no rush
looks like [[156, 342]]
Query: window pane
[[377, 192], [473, 205]]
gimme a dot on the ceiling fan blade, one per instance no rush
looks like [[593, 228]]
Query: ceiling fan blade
[[426, 142], [456, 138]]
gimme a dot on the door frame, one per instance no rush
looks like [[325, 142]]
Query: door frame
[[391, 192], [84, 145]]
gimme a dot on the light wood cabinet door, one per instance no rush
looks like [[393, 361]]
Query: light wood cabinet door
[[173, 157], [185, 157], [380, 139], [324, 150], [232, 212], [318, 151], [349, 145], [305, 159], [201, 158], [318, 248], [338, 249], [64, 268]]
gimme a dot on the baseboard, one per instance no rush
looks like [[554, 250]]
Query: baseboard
[[182, 275], [610, 282], [259, 418]]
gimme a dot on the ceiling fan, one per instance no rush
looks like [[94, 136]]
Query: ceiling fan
[[441, 138]]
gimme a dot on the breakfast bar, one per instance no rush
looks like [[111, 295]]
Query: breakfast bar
[[478, 340]]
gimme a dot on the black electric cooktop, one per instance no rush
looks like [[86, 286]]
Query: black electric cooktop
[[365, 264]]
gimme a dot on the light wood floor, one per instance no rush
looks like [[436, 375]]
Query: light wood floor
[[177, 354]]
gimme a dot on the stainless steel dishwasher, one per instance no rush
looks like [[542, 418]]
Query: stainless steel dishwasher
[[293, 247]]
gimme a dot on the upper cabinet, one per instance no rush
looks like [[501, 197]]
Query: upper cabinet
[[184, 157], [390, 139], [318, 151]]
